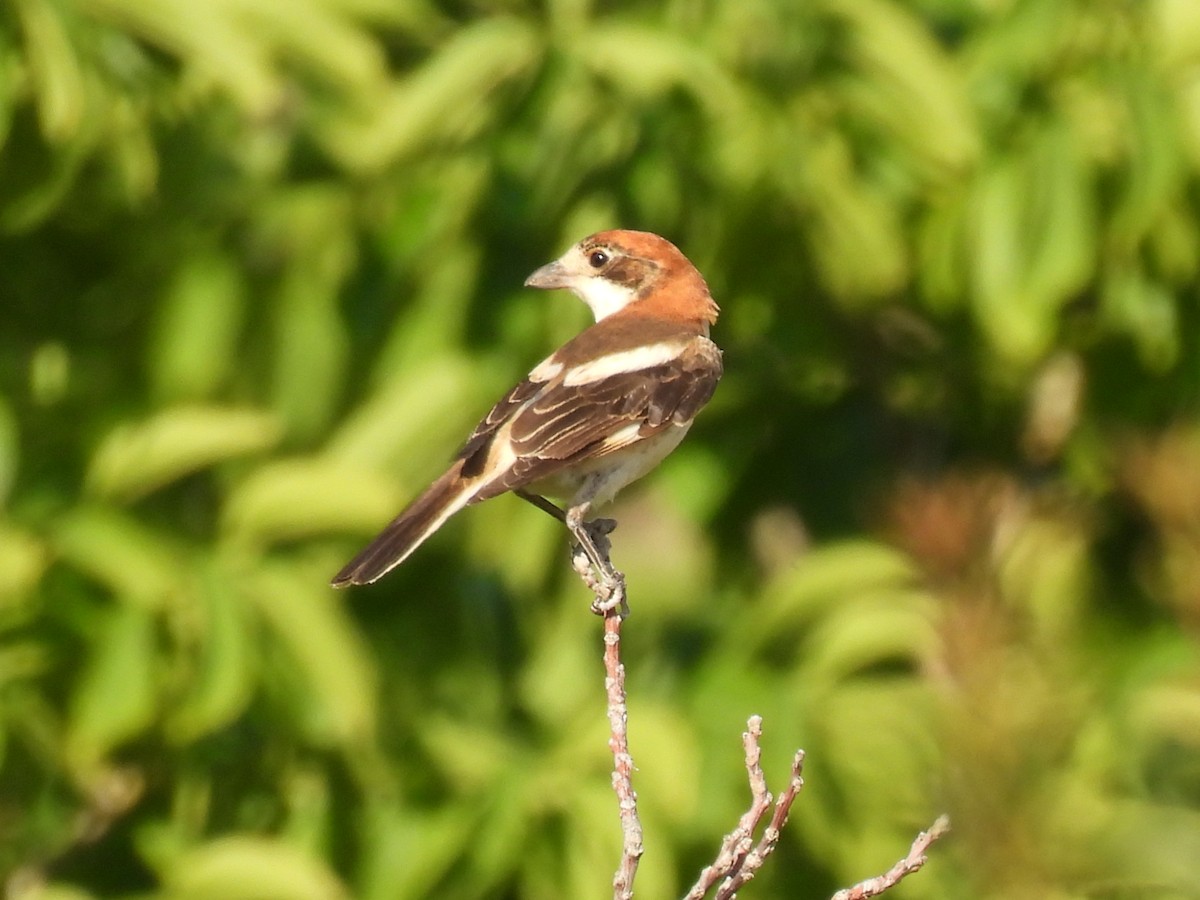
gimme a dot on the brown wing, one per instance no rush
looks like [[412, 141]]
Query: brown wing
[[474, 451], [567, 423]]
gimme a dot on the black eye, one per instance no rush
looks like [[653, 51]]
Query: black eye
[[597, 259]]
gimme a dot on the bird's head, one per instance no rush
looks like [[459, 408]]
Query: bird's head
[[616, 270]]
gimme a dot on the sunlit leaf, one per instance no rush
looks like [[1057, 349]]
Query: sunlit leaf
[[830, 577], [135, 459], [914, 86], [310, 226], [668, 755], [408, 852], [872, 631], [442, 101], [53, 62], [294, 498], [116, 697], [1018, 324], [244, 867], [210, 42], [195, 348], [135, 562], [220, 686], [9, 449], [23, 559], [1155, 165], [339, 681], [416, 423]]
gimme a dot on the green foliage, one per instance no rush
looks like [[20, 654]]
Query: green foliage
[[261, 273]]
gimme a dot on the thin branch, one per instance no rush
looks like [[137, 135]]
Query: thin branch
[[739, 858], [766, 845], [608, 586], [618, 743], [916, 858]]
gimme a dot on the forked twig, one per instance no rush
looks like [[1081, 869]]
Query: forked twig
[[740, 858]]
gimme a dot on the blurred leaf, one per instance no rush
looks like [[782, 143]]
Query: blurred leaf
[[209, 41], [913, 85], [648, 63], [467, 754], [312, 227], [139, 565], [220, 687], [339, 687], [943, 252], [509, 823], [1155, 166], [138, 458], [895, 627], [1061, 224], [591, 847], [1147, 311], [694, 477], [321, 37], [668, 757], [825, 578], [194, 351], [297, 498], [60, 892], [1045, 571], [23, 559], [1019, 325], [414, 424], [432, 322], [859, 723], [10, 450], [441, 102], [116, 697], [244, 867], [59, 83], [856, 236], [35, 199], [408, 852], [664, 553]]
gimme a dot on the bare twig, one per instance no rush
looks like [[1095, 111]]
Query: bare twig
[[618, 742], [609, 589], [739, 858], [916, 858]]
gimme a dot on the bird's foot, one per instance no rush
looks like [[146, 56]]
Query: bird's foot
[[593, 565], [610, 595]]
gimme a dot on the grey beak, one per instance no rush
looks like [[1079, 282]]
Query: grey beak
[[552, 275]]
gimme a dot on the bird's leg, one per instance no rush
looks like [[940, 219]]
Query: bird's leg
[[591, 539], [597, 528], [591, 550], [542, 503]]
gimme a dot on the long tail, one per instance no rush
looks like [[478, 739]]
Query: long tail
[[408, 531]]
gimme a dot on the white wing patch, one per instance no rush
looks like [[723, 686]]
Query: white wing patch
[[545, 370], [635, 360]]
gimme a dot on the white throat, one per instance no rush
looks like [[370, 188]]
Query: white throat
[[602, 296]]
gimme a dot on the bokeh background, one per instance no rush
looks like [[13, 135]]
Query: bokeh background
[[260, 272]]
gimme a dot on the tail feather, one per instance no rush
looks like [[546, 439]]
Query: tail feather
[[408, 531]]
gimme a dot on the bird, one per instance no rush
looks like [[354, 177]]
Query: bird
[[597, 414]]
